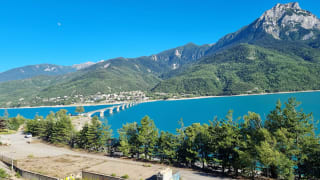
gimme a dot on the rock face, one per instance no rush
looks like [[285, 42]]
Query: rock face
[[83, 66], [284, 20], [179, 56]]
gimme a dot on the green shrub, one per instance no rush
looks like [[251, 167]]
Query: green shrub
[[18, 175], [125, 176], [113, 175], [3, 173]]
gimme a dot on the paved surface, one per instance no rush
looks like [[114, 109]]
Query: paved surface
[[20, 149]]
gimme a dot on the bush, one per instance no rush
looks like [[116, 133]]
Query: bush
[[18, 175], [3, 173], [125, 176], [113, 175]]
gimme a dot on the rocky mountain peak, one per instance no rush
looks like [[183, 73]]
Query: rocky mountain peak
[[284, 21], [83, 65], [292, 5]]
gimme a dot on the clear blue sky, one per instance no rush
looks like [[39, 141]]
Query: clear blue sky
[[68, 32]]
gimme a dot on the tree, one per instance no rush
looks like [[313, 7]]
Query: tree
[[106, 135], [181, 150], [4, 121], [79, 109], [202, 143], [248, 157], [97, 134], [62, 129], [48, 127], [82, 138], [147, 136], [227, 138], [15, 122], [3, 125], [167, 147], [35, 126], [128, 136], [294, 131]]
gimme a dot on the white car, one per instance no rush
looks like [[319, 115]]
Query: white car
[[28, 135]]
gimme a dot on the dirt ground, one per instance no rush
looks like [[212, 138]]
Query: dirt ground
[[79, 121], [65, 165], [134, 171], [59, 166]]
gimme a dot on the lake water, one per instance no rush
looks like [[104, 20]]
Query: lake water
[[166, 114]]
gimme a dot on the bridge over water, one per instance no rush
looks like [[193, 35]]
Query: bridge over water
[[111, 109]]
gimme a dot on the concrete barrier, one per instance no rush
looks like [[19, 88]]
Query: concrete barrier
[[95, 176], [33, 176], [9, 161]]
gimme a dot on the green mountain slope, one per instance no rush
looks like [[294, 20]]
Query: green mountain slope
[[284, 55], [18, 92], [110, 76], [244, 69]]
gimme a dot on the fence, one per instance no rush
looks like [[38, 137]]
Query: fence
[[24, 173], [95, 176]]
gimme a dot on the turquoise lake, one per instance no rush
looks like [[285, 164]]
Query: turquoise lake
[[166, 114]]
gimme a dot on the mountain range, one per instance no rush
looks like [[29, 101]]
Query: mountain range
[[31, 71], [279, 51]]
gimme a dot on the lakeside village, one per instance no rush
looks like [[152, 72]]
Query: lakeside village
[[99, 98]]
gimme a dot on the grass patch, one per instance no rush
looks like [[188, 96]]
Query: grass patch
[[126, 176], [113, 174], [30, 156], [146, 165], [7, 131]]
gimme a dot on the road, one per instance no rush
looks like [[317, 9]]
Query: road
[[20, 149]]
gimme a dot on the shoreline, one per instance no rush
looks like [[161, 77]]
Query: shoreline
[[256, 94], [170, 99]]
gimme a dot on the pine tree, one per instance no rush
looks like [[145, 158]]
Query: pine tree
[[227, 137], [128, 136], [82, 140], [62, 128], [294, 130], [167, 147], [147, 136]]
